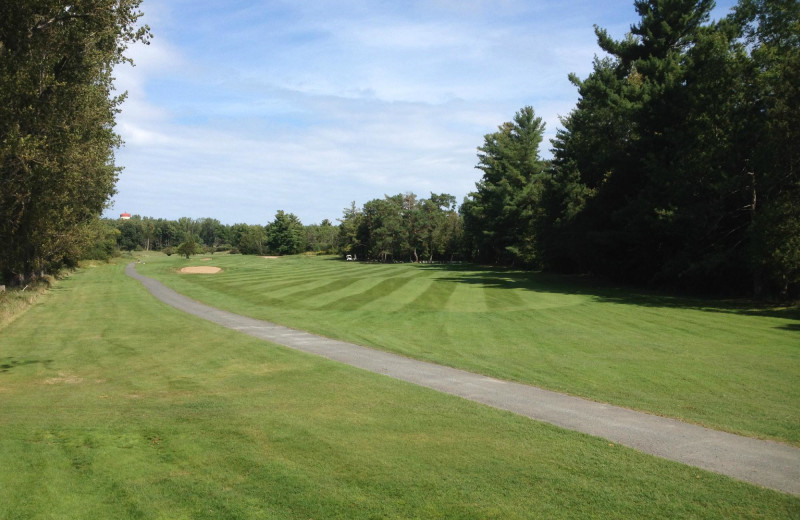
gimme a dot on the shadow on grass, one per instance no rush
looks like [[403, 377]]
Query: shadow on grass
[[9, 363], [604, 291]]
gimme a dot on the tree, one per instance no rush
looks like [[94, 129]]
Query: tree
[[440, 225], [130, 234], [252, 240], [321, 237], [645, 180], [212, 232], [101, 240], [347, 240], [285, 234], [56, 123], [679, 165], [189, 248], [771, 31], [499, 217], [401, 227], [414, 224]]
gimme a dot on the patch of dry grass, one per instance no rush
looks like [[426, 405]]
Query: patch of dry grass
[[14, 301]]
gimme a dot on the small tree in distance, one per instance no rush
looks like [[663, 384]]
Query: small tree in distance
[[188, 248]]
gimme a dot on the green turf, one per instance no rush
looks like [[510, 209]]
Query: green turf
[[113, 405], [728, 365]]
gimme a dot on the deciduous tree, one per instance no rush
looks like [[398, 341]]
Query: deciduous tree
[[57, 109]]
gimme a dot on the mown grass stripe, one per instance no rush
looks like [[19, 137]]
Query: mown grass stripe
[[307, 297], [370, 296], [435, 297], [646, 351], [183, 419]]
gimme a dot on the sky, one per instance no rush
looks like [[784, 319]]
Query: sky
[[241, 108]]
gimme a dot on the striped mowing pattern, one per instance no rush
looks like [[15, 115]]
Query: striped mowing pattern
[[725, 365]]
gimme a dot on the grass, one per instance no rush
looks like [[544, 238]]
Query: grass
[[114, 405], [14, 301], [729, 365]]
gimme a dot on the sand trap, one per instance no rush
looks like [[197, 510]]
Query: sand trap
[[270, 257], [200, 269]]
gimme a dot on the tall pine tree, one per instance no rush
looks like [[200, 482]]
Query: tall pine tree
[[500, 216]]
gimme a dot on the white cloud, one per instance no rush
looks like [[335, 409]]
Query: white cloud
[[236, 112]]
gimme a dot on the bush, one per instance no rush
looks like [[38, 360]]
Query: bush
[[169, 251], [189, 248]]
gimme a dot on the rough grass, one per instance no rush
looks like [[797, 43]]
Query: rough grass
[[14, 301], [730, 365], [117, 406]]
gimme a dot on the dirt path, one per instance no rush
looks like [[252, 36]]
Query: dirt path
[[766, 463]]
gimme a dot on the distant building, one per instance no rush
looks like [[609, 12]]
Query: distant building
[[125, 216]]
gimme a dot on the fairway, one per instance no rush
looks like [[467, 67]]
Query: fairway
[[725, 365], [117, 406]]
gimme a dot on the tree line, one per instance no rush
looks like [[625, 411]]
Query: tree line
[[284, 235], [679, 166], [57, 109], [400, 227], [404, 228]]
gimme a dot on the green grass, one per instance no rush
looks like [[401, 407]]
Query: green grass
[[113, 405], [728, 365], [14, 301]]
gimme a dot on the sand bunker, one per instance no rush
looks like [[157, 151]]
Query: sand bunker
[[270, 257], [201, 269]]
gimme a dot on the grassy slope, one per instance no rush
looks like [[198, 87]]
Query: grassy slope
[[113, 405], [720, 364]]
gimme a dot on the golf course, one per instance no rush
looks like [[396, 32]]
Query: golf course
[[723, 364], [115, 405]]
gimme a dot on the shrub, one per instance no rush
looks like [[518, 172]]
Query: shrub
[[188, 248]]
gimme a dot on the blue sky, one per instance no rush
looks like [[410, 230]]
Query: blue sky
[[240, 108]]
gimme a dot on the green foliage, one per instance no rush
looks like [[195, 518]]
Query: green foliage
[[321, 238], [189, 248], [101, 241], [679, 164], [252, 240], [771, 29], [56, 124], [402, 228], [499, 216], [285, 234], [347, 239]]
